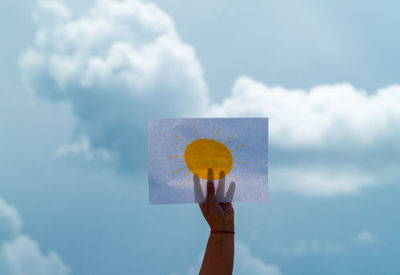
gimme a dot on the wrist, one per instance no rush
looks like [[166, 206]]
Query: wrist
[[227, 226], [222, 232]]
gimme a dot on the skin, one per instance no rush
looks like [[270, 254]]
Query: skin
[[219, 254]]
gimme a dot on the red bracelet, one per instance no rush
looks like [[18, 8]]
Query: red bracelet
[[222, 231]]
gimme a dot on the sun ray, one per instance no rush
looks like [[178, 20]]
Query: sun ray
[[182, 161], [237, 148], [176, 157], [233, 177], [180, 185], [178, 170], [229, 139], [182, 148], [233, 157], [188, 172], [202, 183], [181, 139], [196, 132], [216, 133]]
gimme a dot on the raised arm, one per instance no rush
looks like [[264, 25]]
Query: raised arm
[[218, 257]]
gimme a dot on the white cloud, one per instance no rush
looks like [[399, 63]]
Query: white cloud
[[330, 140], [319, 117], [320, 181], [117, 65], [300, 247], [23, 256], [10, 222], [81, 150], [246, 263], [19, 254], [50, 12], [123, 62], [365, 237]]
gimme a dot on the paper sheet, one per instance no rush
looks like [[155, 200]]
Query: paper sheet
[[180, 148]]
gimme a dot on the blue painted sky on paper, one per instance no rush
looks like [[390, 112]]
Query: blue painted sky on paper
[[97, 217]]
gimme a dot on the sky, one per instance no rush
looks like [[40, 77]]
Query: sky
[[80, 78]]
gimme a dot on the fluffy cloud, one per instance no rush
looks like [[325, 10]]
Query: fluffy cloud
[[332, 139], [82, 151], [313, 179], [365, 237], [20, 255], [319, 117], [116, 66], [123, 62], [10, 222], [246, 263]]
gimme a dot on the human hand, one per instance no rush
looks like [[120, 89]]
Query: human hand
[[219, 215]]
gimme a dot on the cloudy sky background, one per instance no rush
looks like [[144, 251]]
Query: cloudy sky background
[[80, 80]]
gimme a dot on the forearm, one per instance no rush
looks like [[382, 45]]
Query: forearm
[[218, 257]]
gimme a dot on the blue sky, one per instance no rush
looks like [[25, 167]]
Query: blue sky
[[77, 88]]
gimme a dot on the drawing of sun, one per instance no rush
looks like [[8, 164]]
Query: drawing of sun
[[203, 153]]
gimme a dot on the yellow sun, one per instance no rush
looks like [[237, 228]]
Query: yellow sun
[[203, 153]]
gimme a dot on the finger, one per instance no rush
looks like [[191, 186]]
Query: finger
[[210, 190], [230, 192], [221, 187], [210, 174], [198, 193]]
